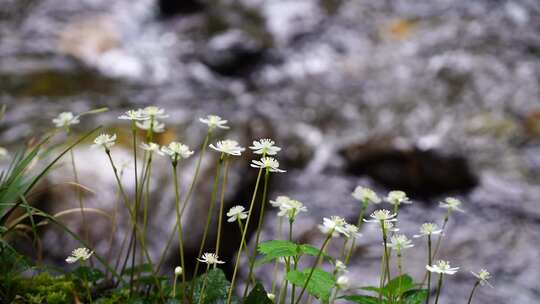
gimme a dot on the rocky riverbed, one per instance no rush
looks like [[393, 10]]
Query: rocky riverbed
[[436, 98]]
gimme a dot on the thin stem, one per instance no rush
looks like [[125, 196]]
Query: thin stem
[[359, 224], [222, 203], [186, 200], [276, 264], [400, 272], [293, 291], [250, 211], [180, 232], [472, 292], [203, 289], [208, 219], [439, 239], [258, 233], [79, 197], [174, 286], [428, 272], [328, 238], [439, 286]]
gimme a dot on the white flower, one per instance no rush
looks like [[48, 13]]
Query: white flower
[[340, 266], [280, 200], [151, 147], [65, 119], [389, 227], [228, 146], [157, 127], [399, 242], [214, 121], [236, 213], [365, 195], [4, 153], [397, 197], [352, 231], [451, 204], [483, 276], [178, 270], [334, 225], [79, 254], [269, 163], [134, 115], [154, 113], [271, 296], [210, 259], [428, 229], [105, 140], [265, 146], [288, 207], [442, 267], [381, 215], [176, 151], [342, 282]]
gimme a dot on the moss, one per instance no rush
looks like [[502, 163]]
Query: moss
[[43, 288]]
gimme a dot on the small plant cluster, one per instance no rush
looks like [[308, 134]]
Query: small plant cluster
[[126, 278]]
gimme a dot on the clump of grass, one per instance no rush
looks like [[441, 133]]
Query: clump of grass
[[134, 275]]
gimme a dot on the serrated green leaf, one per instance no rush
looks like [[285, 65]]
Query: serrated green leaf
[[398, 286], [361, 299], [415, 296], [320, 285], [278, 248], [216, 290], [313, 251], [258, 295]]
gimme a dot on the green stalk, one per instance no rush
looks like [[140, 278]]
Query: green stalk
[[203, 289], [276, 264], [428, 272], [293, 291], [250, 211], [185, 202], [133, 219], [180, 232], [400, 272], [328, 238], [472, 292], [439, 286], [258, 233], [208, 220], [222, 201], [439, 239], [79, 197], [359, 224]]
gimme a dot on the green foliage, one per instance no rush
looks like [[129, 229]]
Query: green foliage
[[43, 288], [272, 250], [217, 287], [399, 287], [258, 295], [320, 285]]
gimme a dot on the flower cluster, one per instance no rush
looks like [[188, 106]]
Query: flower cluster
[[442, 267], [288, 207], [230, 147], [65, 120], [236, 213], [79, 254], [366, 195], [210, 259]]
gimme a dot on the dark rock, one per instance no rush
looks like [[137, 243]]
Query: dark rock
[[169, 8], [420, 173], [233, 53]]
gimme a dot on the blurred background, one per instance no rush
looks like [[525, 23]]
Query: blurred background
[[434, 97]]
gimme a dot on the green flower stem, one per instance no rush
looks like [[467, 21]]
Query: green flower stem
[[208, 219], [250, 211], [87, 285], [359, 224], [472, 292], [382, 278], [203, 289], [396, 209], [283, 289], [439, 240], [133, 219], [222, 201], [243, 241], [323, 247], [400, 272], [180, 232], [80, 199], [385, 264], [174, 286], [258, 233], [439, 286], [343, 248], [428, 272], [185, 202], [293, 291], [276, 264], [147, 195]]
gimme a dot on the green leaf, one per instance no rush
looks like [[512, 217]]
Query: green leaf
[[216, 290], [398, 286], [320, 285], [258, 296], [87, 273], [361, 299], [415, 296], [278, 248], [313, 251], [371, 288]]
